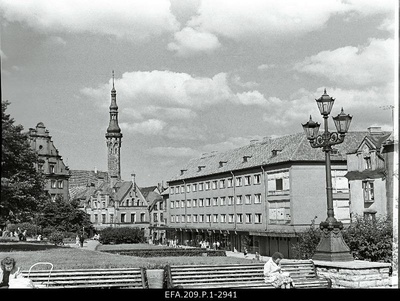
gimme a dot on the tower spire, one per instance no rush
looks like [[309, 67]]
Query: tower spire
[[113, 78]]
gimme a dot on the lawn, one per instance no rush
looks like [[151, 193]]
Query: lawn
[[65, 257]]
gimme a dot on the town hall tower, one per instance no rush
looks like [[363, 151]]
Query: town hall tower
[[113, 140]]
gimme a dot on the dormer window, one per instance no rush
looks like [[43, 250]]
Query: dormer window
[[221, 163], [245, 158], [183, 171], [201, 167], [275, 152]]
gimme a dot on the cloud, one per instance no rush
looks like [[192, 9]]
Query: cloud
[[266, 66], [235, 79], [174, 152], [132, 20], [230, 143], [148, 127], [189, 41], [362, 65]]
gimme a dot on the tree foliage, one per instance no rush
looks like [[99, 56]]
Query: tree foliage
[[368, 239], [64, 216], [22, 186], [121, 235]]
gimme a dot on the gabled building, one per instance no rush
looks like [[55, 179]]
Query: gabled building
[[157, 213], [258, 196], [370, 174], [50, 162]]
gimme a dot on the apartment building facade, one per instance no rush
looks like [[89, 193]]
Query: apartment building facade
[[258, 196]]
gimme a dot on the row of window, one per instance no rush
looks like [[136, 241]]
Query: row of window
[[221, 184], [248, 218], [123, 218], [57, 184], [217, 201]]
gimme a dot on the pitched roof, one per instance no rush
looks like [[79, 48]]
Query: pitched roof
[[84, 177], [288, 148], [146, 190]]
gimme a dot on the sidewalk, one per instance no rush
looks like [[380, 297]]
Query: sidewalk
[[89, 244]]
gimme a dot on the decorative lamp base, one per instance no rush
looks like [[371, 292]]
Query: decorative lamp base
[[332, 246]]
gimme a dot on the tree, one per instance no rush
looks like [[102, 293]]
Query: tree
[[22, 186], [64, 216]]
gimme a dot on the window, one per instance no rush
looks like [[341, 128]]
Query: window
[[231, 218], [230, 182], [239, 217], [195, 218], [201, 218], [248, 218], [52, 168], [183, 218], [222, 201], [257, 198], [215, 218], [122, 217], [188, 203], [207, 187], [239, 200], [142, 217], [208, 202], [103, 218], [60, 184], [96, 218], [247, 181], [247, 199], [172, 218], [172, 190], [278, 184], [188, 188], [53, 184], [162, 205], [257, 179], [367, 161], [230, 200], [182, 204], [368, 190], [221, 184], [194, 203], [172, 204], [194, 187], [182, 189], [238, 181], [201, 202], [155, 217], [111, 218], [189, 218], [257, 218], [133, 218], [214, 184], [208, 218], [222, 218], [215, 201], [201, 186], [176, 218], [177, 189], [161, 217]]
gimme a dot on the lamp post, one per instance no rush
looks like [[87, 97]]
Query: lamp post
[[331, 247]]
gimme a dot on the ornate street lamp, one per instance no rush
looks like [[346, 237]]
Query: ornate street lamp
[[331, 247]]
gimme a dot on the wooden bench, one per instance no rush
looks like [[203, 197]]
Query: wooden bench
[[89, 278], [250, 275]]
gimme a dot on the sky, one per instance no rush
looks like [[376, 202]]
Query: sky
[[193, 76]]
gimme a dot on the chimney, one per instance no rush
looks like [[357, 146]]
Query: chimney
[[375, 130], [133, 179]]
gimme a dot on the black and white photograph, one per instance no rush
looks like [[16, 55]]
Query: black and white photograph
[[199, 148]]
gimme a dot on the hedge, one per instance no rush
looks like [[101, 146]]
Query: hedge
[[168, 252]]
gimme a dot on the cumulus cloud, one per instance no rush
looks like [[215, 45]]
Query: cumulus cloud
[[170, 151], [188, 41], [362, 65], [148, 127], [132, 20]]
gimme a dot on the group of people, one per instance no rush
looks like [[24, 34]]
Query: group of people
[[17, 233]]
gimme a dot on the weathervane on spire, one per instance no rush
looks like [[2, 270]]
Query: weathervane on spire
[[113, 77]]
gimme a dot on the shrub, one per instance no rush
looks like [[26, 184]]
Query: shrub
[[367, 239], [370, 239], [121, 235], [57, 238]]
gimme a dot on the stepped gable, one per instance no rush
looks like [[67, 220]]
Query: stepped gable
[[294, 147]]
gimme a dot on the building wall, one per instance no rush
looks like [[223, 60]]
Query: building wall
[[50, 162]]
